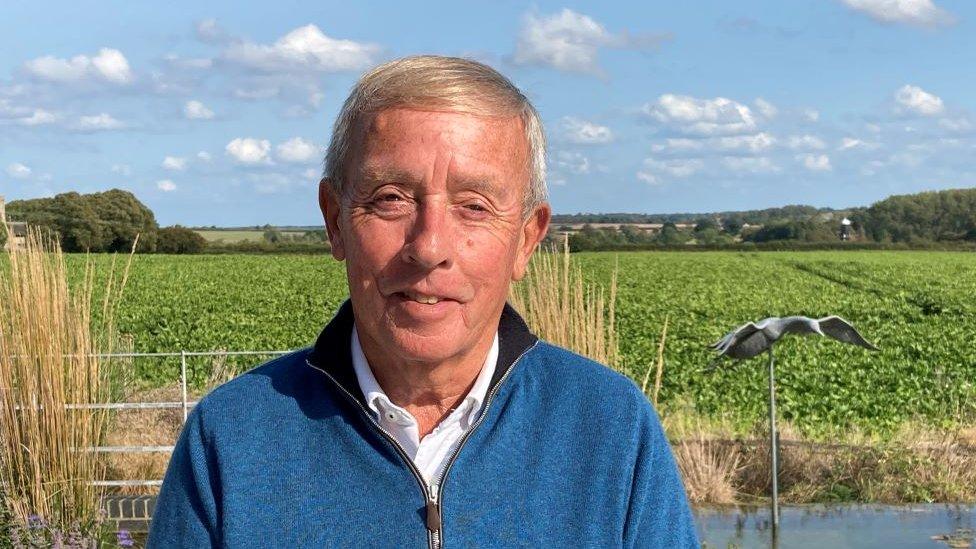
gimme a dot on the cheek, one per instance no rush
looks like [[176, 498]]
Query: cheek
[[371, 249], [488, 261]]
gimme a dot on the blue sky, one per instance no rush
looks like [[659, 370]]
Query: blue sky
[[218, 112]]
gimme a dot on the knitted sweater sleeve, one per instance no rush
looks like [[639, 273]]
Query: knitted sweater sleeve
[[186, 513], [658, 514]]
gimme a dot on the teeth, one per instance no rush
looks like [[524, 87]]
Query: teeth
[[425, 299]]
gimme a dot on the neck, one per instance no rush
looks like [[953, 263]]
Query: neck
[[428, 390]]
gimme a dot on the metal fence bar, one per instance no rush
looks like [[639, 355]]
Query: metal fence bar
[[107, 483], [183, 381], [174, 354], [185, 404], [129, 449]]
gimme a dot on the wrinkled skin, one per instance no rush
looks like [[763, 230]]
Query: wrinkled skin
[[433, 204]]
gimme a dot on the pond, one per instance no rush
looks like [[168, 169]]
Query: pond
[[840, 526]]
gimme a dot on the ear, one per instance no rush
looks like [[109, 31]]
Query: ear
[[329, 204], [532, 232]]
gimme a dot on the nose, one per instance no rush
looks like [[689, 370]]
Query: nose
[[429, 243]]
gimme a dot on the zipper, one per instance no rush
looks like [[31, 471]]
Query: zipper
[[464, 438], [432, 493], [433, 510]]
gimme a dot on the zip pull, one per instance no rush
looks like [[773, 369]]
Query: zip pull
[[433, 516]]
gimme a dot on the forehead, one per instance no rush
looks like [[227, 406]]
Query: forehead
[[415, 140]]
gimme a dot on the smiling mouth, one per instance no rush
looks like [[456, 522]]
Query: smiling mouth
[[421, 298]]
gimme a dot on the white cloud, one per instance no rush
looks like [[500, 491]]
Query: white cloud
[[811, 115], [303, 49], [122, 169], [109, 65], [312, 173], [918, 101], [18, 171], [751, 142], [959, 125], [37, 118], [208, 31], [684, 167], [195, 110], [166, 185], [98, 122], [298, 150], [754, 143], [799, 142], [815, 162], [174, 163], [850, 143], [718, 116], [570, 41], [750, 164], [921, 13], [573, 162], [248, 150], [765, 108], [204, 156], [585, 132]]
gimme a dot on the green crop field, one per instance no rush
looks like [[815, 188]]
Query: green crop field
[[919, 307]]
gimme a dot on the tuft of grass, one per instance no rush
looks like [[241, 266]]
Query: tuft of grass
[[561, 308], [49, 335]]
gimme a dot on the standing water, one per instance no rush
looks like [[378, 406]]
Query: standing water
[[840, 526]]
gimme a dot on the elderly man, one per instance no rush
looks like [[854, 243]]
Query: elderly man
[[427, 414]]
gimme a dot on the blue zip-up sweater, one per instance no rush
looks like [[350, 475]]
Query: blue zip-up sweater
[[565, 453]]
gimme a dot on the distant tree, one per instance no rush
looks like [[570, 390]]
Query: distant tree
[[805, 231], [705, 223], [670, 235], [179, 240], [732, 224], [930, 216], [97, 222], [272, 235]]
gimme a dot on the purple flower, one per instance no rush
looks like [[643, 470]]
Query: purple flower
[[35, 522], [124, 538]]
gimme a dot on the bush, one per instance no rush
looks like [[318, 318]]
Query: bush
[[179, 240]]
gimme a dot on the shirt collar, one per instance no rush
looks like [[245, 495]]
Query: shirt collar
[[376, 396]]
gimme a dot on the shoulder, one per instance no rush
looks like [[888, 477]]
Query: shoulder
[[566, 378], [569, 370], [271, 385]]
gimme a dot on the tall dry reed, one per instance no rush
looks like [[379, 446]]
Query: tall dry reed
[[560, 308], [48, 336]]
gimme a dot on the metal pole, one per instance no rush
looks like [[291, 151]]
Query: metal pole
[[773, 442], [183, 381]]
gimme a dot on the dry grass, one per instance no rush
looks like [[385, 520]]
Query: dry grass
[[709, 468], [159, 427], [48, 335], [561, 309], [916, 465]]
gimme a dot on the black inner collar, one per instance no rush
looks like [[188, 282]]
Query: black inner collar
[[332, 353]]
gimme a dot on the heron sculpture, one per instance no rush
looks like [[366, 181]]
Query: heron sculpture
[[753, 338]]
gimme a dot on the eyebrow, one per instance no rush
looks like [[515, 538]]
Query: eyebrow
[[484, 185]]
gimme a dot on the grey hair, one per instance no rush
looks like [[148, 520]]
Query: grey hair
[[451, 84]]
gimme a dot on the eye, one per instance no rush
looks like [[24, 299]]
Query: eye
[[476, 207], [390, 197]]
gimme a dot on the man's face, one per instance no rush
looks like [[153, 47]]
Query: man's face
[[431, 228]]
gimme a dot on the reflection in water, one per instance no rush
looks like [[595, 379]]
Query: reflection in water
[[839, 526]]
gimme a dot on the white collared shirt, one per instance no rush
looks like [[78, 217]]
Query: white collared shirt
[[429, 454]]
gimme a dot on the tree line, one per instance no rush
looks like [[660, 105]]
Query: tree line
[[109, 222], [930, 219]]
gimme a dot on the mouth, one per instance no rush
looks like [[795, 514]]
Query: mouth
[[426, 299]]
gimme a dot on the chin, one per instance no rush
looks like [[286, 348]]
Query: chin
[[425, 348]]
